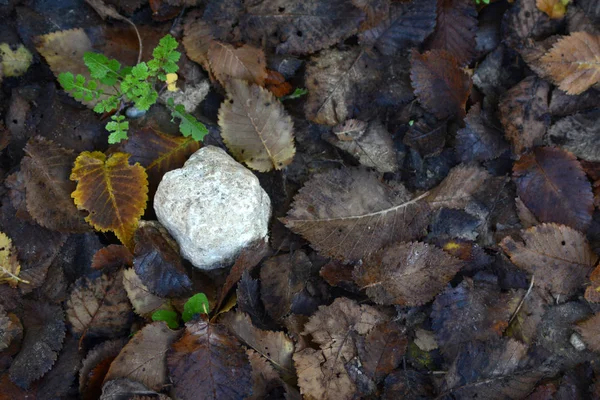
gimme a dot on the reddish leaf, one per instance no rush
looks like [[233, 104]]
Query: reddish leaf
[[96, 365], [455, 29], [112, 257]]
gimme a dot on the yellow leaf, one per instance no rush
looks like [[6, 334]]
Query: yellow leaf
[[9, 265], [555, 9], [15, 63], [114, 192]]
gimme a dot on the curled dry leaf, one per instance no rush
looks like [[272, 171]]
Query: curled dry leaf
[[553, 186], [209, 360], [572, 63], [143, 301], [98, 306], [9, 265], [247, 63], [256, 128], [588, 330], [457, 189], [479, 140], [440, 85], [349, 214], [407, 274], [111, 182], [44, 334], [47, 167], [558, 256], [144, 358], [407, 25], [524, 113]]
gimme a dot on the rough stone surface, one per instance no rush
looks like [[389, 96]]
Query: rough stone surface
[[213, 207]]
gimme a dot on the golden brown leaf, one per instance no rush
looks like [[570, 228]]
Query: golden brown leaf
[[247, 63], [573, 63], [558, 256], [9, 265], [113, 192], [256, 128], [555, 9]]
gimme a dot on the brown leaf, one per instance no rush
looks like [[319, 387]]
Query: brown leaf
[[455, 29], [47, 167], [376, 11], [197, 38], [98, 306], [525, 22], [592, 292], [277, 85], [15, 183], [407, 25], [479, 140], [524, 113], [113, 182], [572, 63], [558, 256], [356, 216], [128, 389], [524, 324], [440, 85], [407, 384], [264, 376], [9, 265], [427, 136], [381, 351], [457, 189], [578, 134], [112, 257], [157, 261], [588, 330], [144, 358], [44, 334], [276, 347], [96, 365], [143, 301], [256, 128], [247, 63], [57, 383], [553, 186], [208, 360], [407, 274], [555, 9]]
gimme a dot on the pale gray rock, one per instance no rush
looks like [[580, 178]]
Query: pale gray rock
[[214, 207]]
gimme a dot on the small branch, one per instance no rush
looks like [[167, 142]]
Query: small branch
[[139, 59], [522, 300]]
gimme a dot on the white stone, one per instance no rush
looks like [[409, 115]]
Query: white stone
[[214, 207]]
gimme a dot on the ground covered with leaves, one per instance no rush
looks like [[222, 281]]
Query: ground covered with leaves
[[434, 171]]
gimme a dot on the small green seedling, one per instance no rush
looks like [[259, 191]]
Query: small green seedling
[[133, 86], [482, 1], [299, 92], [196, 305]]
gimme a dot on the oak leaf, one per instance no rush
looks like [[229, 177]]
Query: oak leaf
[[407, 274], [209, 360], [247, 63], [9, 264], [440, 85], [552, 185], [356, 216], [256, 128], [559, 257], [572, 63], [114, 192]]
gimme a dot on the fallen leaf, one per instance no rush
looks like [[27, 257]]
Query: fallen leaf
[[277, 85], [407, 274], [96, 365], [382, 350], [112, 181], [14, 61], [458, 188], [479, 140], [15, 183], [210, 361], [440, 85], [555, 9], [9, 264], [427, 136], [98, 306], [553, 186], [559, 257], [524, 324], [248, 299], [144, 358], [407, 25], [407, 384], [264, 376], [143, 301], [588, 330], [197, 38], [455, 29], [57, 383], [577, 133], [356, 216], [376, 11], [256, 128], [128, 389], [11, 330], [572, 63], [524, 113], [112, 257], [44, 334], [524, 23], [592, 292], [247, 63], [47, 167]]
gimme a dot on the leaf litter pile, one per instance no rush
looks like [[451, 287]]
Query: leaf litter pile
[[434, 170]]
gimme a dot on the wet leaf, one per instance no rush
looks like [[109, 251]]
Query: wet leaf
[[381, 351], [144, 358], [195, 305], [427, 136], [356, 216], [208, 360], [57, 383], [128, 389], [572, 63], [524, 22], [112, 181], [553, 186], [455, 29], [479, 140], [376, 11], [408, 274], [256, 128], [440, 85], [247, 63], [458, 188], [9, 265], [558, 256]]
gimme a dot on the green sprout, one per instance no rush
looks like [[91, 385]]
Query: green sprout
[[196, 305]]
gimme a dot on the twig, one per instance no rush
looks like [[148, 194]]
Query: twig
[[522, 300]]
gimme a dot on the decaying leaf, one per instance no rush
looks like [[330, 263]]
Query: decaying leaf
[[96, 365], [349, 214], [455, 29], [276, 347], [555, 9], [112, 182], [457, 189], [408, 274], [44, 334], [440, 85], [572, 63], [479, 140], [558, 256], [247, 63], [98, 306], [256, 128], [144, 358], [381, 351], [14, 61], [143, 301], [47, 167], [525, 22], [524, 113], [9, 265], [210, 361], [57, 383], [588, 330], [553, 186]]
